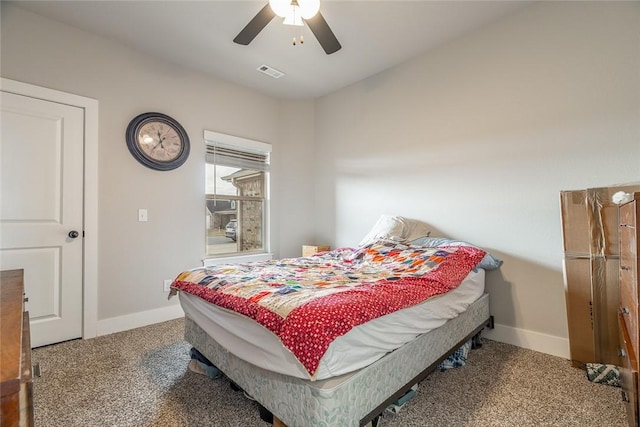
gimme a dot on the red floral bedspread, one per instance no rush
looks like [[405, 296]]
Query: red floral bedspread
[[309, 302]]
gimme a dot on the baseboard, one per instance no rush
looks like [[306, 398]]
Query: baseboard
[[137, 320], [549, 344]]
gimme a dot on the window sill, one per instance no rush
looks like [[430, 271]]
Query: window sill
[[237, 259]]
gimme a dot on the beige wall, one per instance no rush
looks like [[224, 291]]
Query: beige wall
[[135, 257], [478, 137]]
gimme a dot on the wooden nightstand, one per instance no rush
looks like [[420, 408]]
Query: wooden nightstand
[[308, 250]]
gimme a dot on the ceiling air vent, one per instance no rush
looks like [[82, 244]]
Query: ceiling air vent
[[269, 71]]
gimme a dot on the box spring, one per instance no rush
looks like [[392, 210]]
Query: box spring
[[352, 399]]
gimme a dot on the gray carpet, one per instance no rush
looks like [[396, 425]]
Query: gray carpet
[[140, 378]]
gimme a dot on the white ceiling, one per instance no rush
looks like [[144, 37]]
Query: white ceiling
[[375, 35]]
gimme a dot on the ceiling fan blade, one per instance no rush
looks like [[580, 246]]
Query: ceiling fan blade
[[323, 33], [254, 26]]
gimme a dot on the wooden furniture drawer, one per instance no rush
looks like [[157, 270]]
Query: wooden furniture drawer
[[629, 315], [629, 272], [628, 242], [628, 375], [628, 214], [628, 254]]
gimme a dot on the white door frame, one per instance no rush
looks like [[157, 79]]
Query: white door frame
[[90, 193]]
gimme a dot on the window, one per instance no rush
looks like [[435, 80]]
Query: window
[[237, 189]]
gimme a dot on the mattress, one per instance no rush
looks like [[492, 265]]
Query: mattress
[[358, 348]]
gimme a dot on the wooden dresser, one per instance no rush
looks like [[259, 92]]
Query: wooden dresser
[[628, 315], [15, 358]]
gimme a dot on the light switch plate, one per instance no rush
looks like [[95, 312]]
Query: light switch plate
[[142, 215]]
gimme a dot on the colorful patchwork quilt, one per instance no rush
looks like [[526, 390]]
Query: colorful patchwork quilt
[[308, 302]]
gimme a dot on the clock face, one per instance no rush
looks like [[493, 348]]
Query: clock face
[[157, 141]]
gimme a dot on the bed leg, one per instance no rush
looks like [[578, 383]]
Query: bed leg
[[266, 415], [476, 341], [278, 423], [490, 324]]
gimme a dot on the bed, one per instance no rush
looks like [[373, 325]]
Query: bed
[[391, 312]]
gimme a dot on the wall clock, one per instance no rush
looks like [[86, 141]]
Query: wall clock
[[157, 141]]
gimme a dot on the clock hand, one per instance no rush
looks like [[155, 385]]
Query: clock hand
[[159, 143], [161, 139]]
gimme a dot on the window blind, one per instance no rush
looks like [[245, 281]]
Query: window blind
[[227, 156]]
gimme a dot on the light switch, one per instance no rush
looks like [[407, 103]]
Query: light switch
[[142, 215]]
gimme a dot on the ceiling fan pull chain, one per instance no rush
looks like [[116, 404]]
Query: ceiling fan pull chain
[[301, 40]]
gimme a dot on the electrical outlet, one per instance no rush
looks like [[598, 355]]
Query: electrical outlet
[[167, 285]]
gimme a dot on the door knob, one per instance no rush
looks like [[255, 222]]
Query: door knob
[[73, 234]]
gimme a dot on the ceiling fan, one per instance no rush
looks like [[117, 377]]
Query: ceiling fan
[[294, 12]]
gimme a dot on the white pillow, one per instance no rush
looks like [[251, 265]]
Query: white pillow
[[398, 228], [417, 229]]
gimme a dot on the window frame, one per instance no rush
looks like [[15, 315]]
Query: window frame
[[251, 146]]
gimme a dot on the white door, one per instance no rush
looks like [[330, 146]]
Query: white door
[[41, 205]]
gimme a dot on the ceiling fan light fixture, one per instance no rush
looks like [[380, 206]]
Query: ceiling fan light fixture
[[294, 11], [307, 12]]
